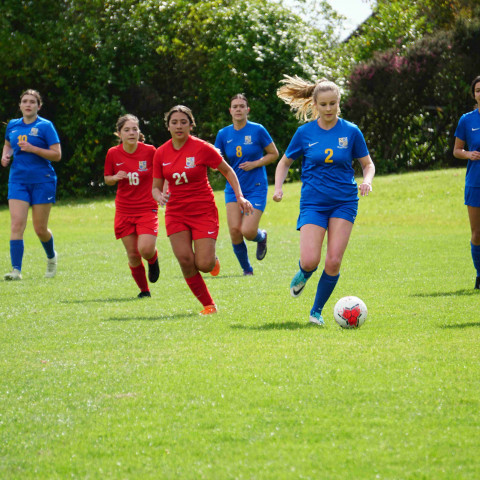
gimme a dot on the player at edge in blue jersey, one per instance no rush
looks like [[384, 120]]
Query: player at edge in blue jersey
[[468, 134], [33, 143], [329, 199], [243, 144]]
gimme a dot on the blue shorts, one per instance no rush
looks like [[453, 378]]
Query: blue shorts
[[320, 215], [258, 199], [34, 193], [472, 196]]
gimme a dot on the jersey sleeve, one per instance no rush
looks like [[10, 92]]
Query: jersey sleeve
[[460, 131], [360, 148], [51, 135], [219, 142], [295, 148], [108, 168], [265, 138], [212, 156], [157, 164]]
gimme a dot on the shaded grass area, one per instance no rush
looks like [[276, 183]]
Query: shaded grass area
[[98, 384]]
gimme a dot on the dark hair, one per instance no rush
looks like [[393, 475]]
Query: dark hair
[[123, 120], [34, 93], [472, 86], [181, 109], [240, 96]]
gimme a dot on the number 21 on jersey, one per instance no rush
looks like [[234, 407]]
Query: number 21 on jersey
[[180, 178]]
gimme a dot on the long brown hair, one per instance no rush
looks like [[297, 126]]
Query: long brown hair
[[300, 95], [123, 120]]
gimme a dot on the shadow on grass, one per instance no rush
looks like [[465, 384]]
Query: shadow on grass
[[105, 300], [149, 319], [461, 325], [464, 291], [275, 326]]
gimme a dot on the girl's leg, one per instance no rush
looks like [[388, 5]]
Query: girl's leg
[[148, 251], [130, 242], [18, 223], [474, 216], [311, 240], [339, 231], [234, 219], [205, 250]]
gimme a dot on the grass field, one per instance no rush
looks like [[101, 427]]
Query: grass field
[[96, 384]]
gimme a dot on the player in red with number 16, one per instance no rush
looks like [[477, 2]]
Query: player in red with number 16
[[191, 215], [130, 165]]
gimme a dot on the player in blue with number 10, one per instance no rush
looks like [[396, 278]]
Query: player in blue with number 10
[[33, 143], [243, 144], [467, 135], [329, 199]]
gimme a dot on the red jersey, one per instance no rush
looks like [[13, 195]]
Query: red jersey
[[186, 173], [134, 194]]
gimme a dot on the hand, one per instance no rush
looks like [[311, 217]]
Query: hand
[[475, 155], [278, 195], [6, 159], [120, 175], [26, 147], [162, 198], [365, 189], [247, 166], [245, 206]]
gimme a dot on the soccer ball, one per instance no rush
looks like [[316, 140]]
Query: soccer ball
[[350, 312]]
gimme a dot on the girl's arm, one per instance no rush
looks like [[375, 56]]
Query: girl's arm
[[280, 175]]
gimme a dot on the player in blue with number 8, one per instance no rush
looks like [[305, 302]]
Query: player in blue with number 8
[[243, 144], [33, 143], [329, 200]]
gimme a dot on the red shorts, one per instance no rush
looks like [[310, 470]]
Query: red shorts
[[145, 224], [204, 225]]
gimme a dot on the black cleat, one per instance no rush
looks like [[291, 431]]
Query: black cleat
[[153, 271], [144, 294], [477, 283], [262, 247]]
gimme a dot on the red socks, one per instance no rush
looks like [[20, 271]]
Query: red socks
[[138, 274], [152, 260], [199, 289]]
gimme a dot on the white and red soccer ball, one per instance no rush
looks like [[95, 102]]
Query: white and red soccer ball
[[350, 312]]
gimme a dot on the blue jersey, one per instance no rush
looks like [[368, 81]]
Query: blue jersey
[[245, 145], [27, 167], [468, 130], [327, 171]]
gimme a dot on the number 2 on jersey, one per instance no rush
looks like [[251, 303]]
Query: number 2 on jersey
[[329, 153]]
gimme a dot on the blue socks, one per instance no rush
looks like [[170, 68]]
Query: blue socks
[[260, 236], [241, 252], [476, 257], [48, 247], [325, 287], [16, 253]]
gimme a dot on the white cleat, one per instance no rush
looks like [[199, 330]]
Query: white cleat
[[13, 275], [51, 266]]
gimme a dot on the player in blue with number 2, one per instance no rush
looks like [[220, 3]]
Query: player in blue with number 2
[[33, 143], [468, 134], [329, 199], [243, 144]]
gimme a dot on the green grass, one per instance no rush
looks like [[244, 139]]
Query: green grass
[[96, 384]]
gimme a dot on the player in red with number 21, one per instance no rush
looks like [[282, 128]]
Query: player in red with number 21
[[191, 216], [130, 165]]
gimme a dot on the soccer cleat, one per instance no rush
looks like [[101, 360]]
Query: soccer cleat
[[317, 319], [247, 273], [51, 266], [153, 271], [477, 283], [297, 284], [262, 247], [209, 309], [144, 294], [216, 268], [13, 275]]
